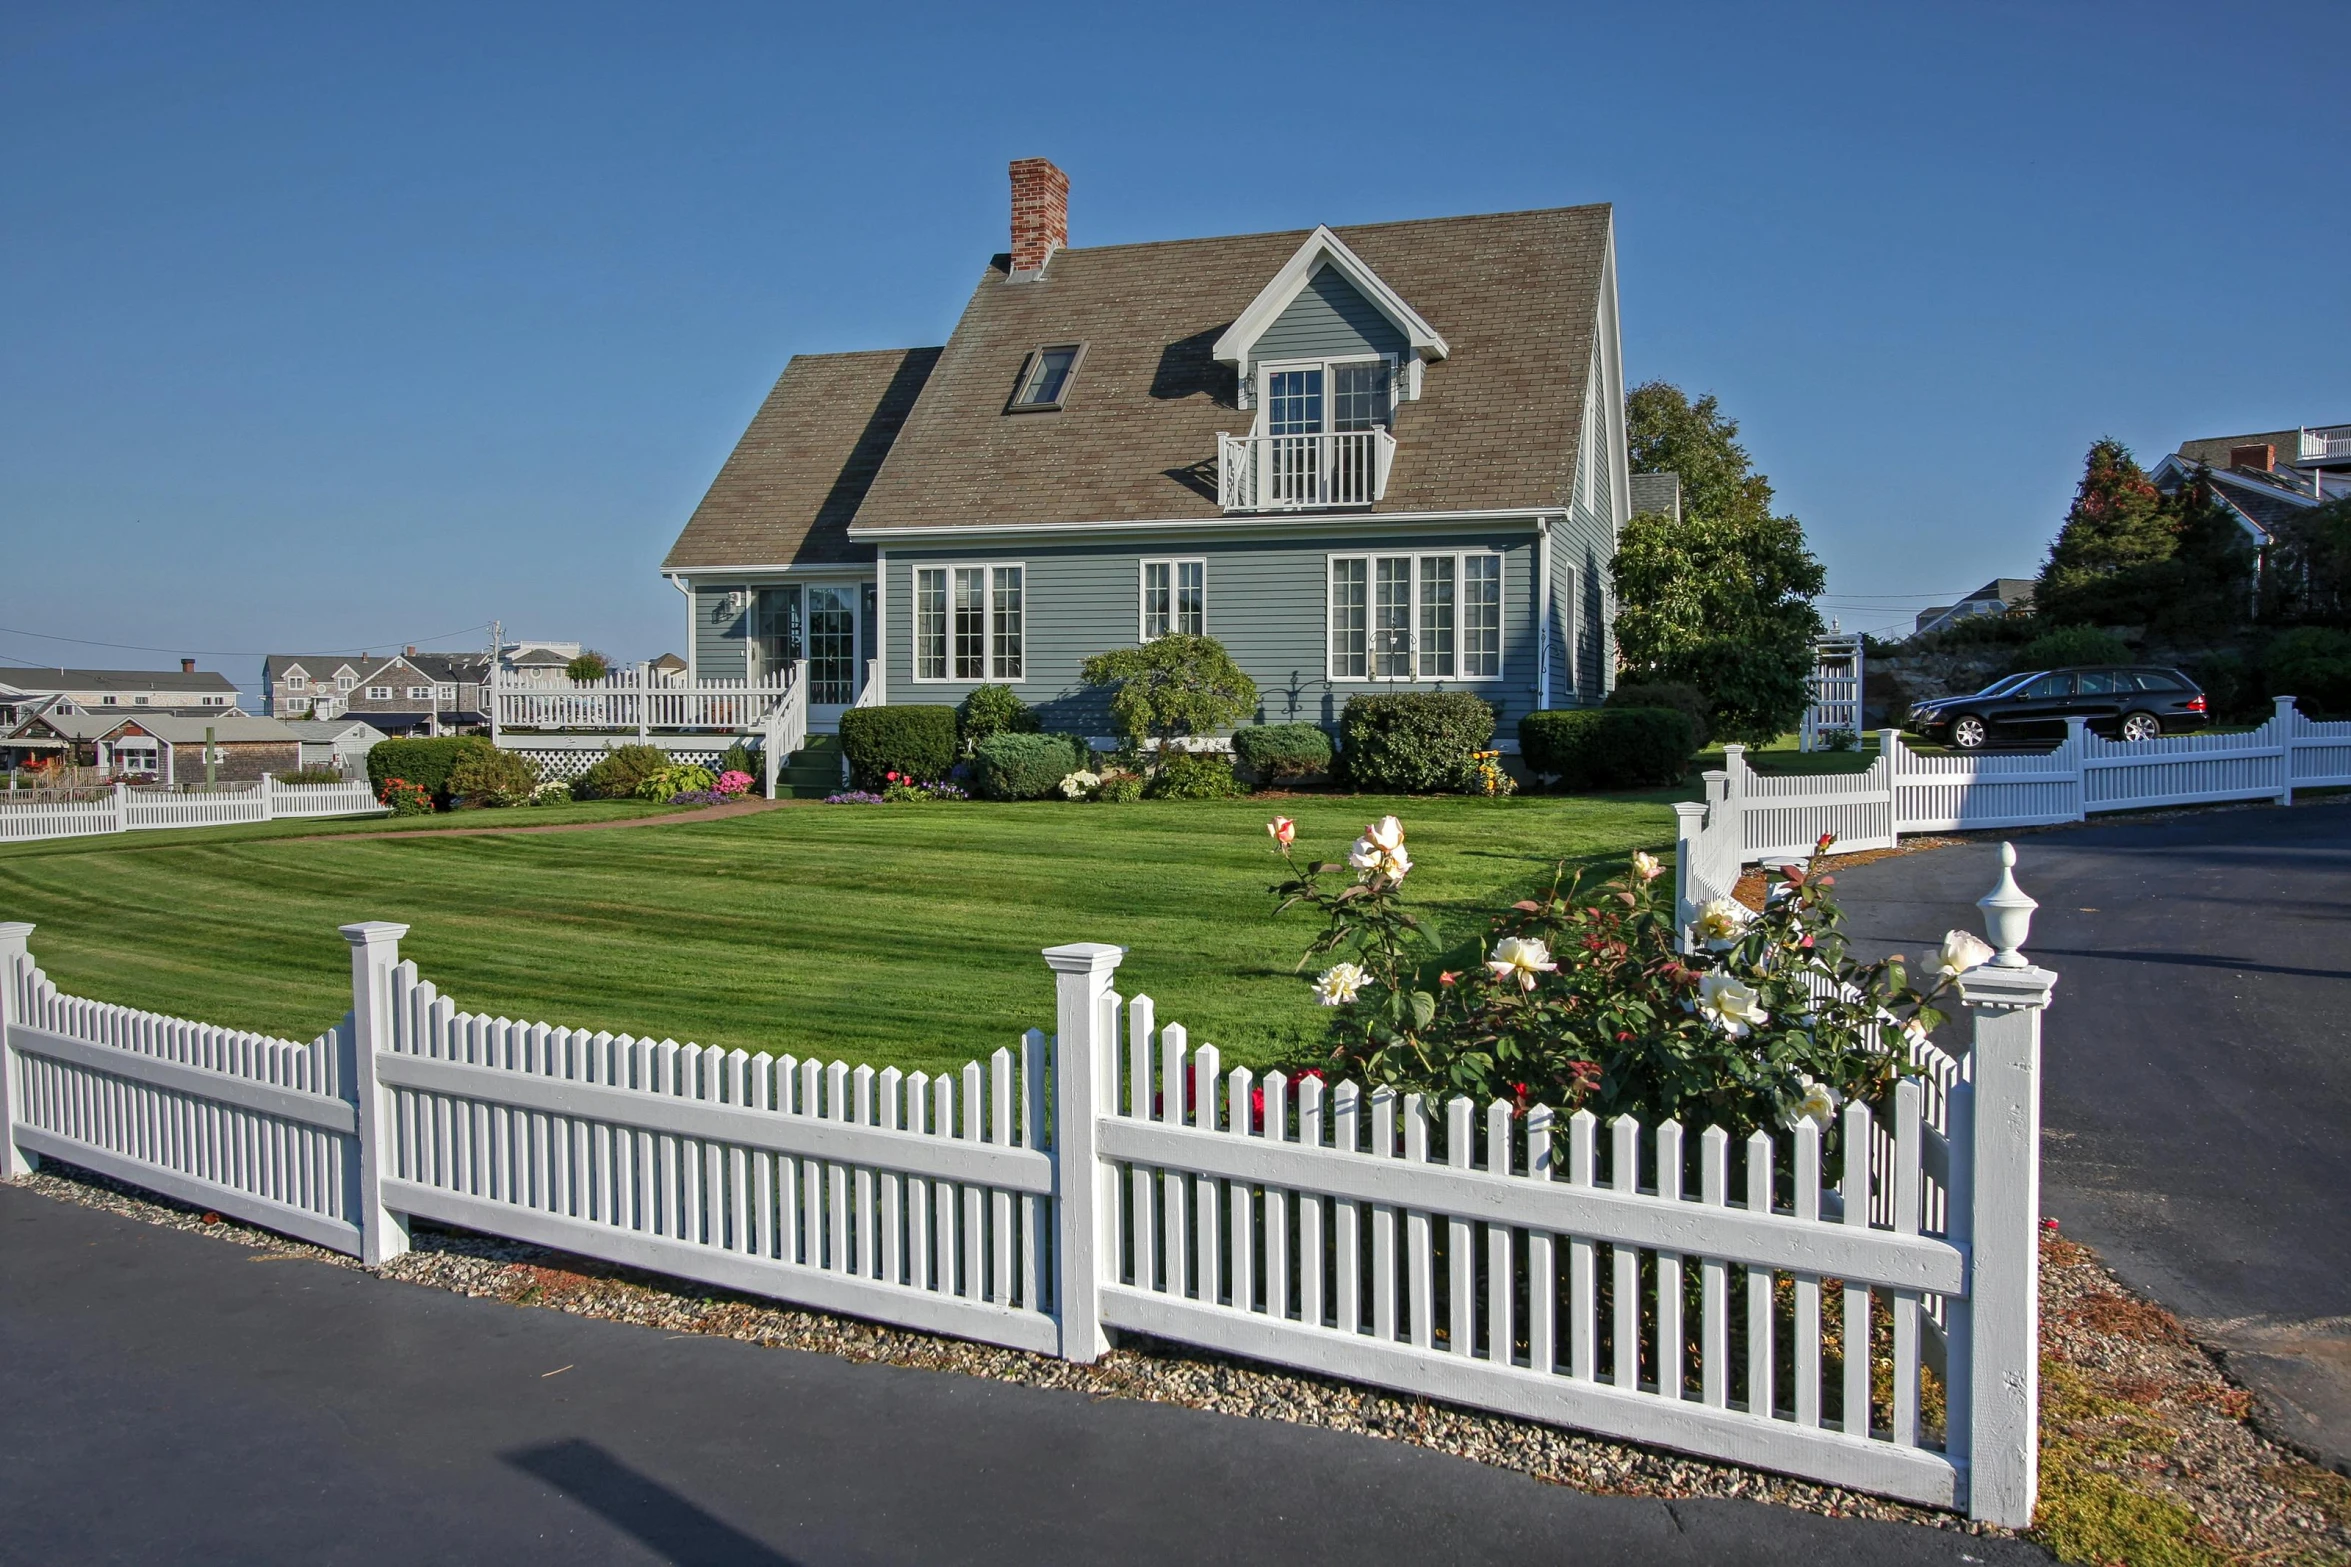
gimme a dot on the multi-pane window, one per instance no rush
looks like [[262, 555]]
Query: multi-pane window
[[832, 646], [1416, 617], [379, 693], [420, 693], [1175, 598], [969, 623], [297, 682], [1359, 396]]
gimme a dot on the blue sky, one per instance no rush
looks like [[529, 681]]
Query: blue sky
[[337, 327]]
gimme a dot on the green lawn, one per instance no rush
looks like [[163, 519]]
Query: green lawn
[[903, 935]]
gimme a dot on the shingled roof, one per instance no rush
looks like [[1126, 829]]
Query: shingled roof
[[789, 489], [826, 463]]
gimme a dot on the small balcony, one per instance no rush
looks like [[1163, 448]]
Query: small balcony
[[1303, 472], [2326, 447]]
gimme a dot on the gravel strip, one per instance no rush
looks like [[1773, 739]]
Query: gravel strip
[[2253, 1500]]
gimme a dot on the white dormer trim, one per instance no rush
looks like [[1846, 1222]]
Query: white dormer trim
[[1322, 248]]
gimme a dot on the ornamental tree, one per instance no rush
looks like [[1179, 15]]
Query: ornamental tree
[[1170, 689]]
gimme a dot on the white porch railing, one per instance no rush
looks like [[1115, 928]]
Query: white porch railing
[[2332, 444], [630, 701], [1303, 472], [785, 729]]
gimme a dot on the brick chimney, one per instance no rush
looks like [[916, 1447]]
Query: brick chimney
[[1040, 215], [2261, 459], [187, 666], [411, 653]]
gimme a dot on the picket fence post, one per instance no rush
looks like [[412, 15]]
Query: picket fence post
[[2282, 720], [1084, 1188], [122, 806], [375, 949], [14, 934], [1993, 1393]]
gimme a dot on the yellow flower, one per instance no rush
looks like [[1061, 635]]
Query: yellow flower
[[1647, 866], [1521, 958]]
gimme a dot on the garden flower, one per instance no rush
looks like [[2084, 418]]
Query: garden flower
[[1338, 984], [1962, 951], [1080, 784], [1521, 958], [1380, 851], [1647, 866], [1819, 1105], [1730, 1006], [1284, 830], [1722, 922]]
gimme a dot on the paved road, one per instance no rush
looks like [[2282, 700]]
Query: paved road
[[2198, 1054], [170, 1398]]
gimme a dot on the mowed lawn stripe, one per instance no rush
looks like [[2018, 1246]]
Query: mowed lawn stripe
[[902, 935]]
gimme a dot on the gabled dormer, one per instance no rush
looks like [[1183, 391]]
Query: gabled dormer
[[1323, 355]]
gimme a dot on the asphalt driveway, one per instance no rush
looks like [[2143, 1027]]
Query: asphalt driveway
[[165, 1397], [2197, 1108]]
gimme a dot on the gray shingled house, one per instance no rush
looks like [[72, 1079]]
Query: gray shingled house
[[1366, 459]]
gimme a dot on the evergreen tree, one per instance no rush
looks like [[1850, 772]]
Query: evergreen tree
[[2118, 524], [1722, 598]]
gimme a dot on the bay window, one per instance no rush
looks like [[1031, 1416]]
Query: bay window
[[1416, 616], [969, 623]]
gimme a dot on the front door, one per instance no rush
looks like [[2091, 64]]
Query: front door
[[835, 671], [775, 641]]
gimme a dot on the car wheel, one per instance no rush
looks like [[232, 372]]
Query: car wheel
[[1968, 732], [2142, 726]]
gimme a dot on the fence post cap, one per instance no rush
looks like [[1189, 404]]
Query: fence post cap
[[2006, 989], [1084, 957], [372, 933], [15, 932]]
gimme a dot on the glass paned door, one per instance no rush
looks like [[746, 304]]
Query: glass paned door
[[1293, 417], [832, 646], [775, 633]]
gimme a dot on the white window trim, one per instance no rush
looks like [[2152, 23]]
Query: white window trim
[[380, 693], [1330, 652], [1326, 364], [1143, 589], [988, 570]]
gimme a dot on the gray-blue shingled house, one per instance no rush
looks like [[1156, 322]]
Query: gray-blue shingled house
[[1365, 459]]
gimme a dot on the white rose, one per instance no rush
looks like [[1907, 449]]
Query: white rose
[[1387, 832], [1819, 1105], [1380, 851], [1521, 958], [1647, 866], [1730, 1006], [1080, 784], [1338, 984], [1722, 922], [1962, 951]]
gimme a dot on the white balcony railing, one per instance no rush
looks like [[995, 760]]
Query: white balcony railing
[[1303, 472], [2332, 444], [628, 701]]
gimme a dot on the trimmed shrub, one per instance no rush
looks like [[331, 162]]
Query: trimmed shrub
[[315, 773], [1194, 775], [1120, 789], [994, 710], [1609, 747], [2070, 645], [740, 758], [1282, 753], [1023, 766], [492, 777], [1666, 693], [425, 763], [915, 738], [1412, 742], [615, 775]]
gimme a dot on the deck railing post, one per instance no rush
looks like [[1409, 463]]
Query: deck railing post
[[1084, 1188], [1993, 1392], [14, 962], [375, 950]]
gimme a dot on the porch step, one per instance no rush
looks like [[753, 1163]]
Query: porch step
[[813, 771]]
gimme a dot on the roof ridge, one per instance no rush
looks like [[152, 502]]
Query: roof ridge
[[1336, 228]]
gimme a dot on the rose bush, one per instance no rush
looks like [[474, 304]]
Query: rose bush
[[1583, 999]]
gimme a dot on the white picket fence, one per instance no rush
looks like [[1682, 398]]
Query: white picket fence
[[1662, 1284], [1747, 816], [128, 808]]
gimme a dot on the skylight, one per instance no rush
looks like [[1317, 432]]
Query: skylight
[[1047, 377]]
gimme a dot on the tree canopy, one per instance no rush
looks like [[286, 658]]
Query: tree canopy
[[1172, 687], [1722, 598], [2127, 554]]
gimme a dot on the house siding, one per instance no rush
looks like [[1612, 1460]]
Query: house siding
[[720, 652], [1266, 601], [1328, 319]]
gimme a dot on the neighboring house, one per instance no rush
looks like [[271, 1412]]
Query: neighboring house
[[168, 749], [48, 731], [2314, 461], [1996, 597], [184, 690], [406, 693], [1379, 458], [537, 666], [669, 669], [334, 742], [1657, 494]]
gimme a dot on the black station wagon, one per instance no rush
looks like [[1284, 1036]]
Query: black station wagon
[[2124, 702]]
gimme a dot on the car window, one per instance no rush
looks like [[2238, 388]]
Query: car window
[[2100, 682], [2153, 682], [2048, 686], [2004, 685]]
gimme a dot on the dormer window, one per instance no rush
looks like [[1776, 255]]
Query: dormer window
[[1045, 379]]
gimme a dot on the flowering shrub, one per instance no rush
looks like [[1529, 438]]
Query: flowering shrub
[[853, 797], [553, 792], [905, 787], [405, 798], [1581, 999], [1483, 774], [733, 783], [1081, 784]]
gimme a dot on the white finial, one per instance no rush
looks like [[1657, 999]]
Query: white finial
[[2008, 914]]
